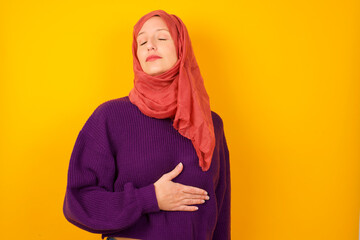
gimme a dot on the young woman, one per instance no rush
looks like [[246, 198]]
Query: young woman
[[142, 162]]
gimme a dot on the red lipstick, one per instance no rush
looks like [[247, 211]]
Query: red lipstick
[[152, 58]]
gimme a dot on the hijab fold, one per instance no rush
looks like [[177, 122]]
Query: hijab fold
[[179, 93]]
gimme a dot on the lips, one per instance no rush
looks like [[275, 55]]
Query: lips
[[152, 58]]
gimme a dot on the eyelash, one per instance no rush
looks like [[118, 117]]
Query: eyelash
[[159, 39]]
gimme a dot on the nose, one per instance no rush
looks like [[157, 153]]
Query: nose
[[150, 45]]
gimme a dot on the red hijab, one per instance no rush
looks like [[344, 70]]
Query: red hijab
[[179, 93]]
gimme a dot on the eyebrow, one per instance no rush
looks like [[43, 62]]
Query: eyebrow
[[156, 30]]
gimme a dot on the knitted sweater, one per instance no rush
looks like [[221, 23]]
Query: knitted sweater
[[118, 156]]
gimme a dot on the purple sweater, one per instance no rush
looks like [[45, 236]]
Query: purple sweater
[[118, 156]]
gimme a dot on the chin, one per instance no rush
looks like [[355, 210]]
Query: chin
[[154, 73]]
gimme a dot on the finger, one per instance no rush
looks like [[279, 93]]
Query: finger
[[194, 196], [176, 171], [186, 208], [192, 201], [193, 190]]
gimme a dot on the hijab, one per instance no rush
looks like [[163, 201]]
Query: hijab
[[179, 93]]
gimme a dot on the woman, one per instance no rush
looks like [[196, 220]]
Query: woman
[[141, 162]]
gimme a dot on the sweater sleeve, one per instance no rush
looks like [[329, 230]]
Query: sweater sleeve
[[90, 201], [223, 195]]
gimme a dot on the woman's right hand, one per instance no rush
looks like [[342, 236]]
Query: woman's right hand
[[175, 196]]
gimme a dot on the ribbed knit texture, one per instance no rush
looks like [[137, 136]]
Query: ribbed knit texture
[[118, 156]]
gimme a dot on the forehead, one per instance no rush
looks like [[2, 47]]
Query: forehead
[[153, 24]]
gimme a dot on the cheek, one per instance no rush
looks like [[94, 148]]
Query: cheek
[[173, 53], [139, 55]]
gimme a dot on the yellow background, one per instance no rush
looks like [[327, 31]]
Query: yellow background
[[283, 75]]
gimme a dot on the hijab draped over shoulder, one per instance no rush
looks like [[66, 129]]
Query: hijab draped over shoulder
[[179, 93]]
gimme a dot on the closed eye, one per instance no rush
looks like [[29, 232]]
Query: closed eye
[[159, 39]]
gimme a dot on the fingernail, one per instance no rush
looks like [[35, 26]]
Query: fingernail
[[179, 164]]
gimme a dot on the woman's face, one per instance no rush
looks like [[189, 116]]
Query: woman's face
[[154, 39]]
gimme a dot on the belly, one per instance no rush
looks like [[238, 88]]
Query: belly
[[123, 238]]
